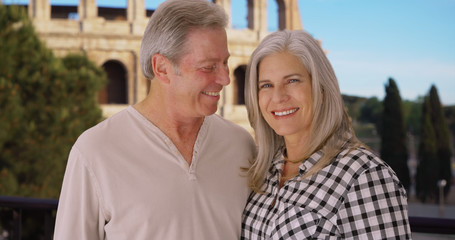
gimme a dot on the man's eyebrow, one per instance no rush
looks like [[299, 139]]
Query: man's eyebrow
[[212, 60]]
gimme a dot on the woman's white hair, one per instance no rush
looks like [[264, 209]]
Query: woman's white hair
[[333, 130], [169, 25]]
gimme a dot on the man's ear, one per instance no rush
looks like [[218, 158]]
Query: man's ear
[[160, 67]]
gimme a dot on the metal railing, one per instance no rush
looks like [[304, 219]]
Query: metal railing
[[15, 211], [445, 226], [45, 209]]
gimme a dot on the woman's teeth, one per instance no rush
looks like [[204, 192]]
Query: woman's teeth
[[284, 113]]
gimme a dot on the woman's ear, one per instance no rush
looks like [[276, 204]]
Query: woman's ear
[[159, 67]]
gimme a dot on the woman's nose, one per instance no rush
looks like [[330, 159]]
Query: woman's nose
[[280, 94]]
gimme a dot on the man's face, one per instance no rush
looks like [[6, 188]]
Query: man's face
[[203, 71]]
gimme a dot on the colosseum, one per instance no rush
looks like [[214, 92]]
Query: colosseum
[[111, 38]]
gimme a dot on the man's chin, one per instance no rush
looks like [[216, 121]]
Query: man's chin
[[210, 111]]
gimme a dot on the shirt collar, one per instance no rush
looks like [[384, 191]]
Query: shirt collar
[[278, 162]]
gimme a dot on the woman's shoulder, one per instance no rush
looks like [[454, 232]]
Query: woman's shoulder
[[360, 160]]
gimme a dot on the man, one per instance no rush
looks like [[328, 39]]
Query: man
[[167, 167]]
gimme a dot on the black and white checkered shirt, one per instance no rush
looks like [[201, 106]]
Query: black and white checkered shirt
[[357, 196]]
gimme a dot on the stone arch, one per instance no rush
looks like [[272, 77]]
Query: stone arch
[[281, 14], [288, 15], [241, 11], [250, 14], [256, 15], [239, 75], [64, 12], [111, 14], [116, 90]]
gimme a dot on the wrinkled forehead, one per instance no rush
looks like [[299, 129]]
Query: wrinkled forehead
[[206, 44]]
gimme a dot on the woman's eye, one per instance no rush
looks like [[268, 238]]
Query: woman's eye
[[293, 80], [266, 85]]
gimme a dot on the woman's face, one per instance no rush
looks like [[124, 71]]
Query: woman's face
[[285, 95]]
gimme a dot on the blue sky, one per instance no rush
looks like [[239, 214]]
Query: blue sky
[[369, 41]]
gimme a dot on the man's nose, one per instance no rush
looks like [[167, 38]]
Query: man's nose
[[223, 76]]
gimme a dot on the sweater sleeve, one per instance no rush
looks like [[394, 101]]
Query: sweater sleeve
[[375, 207], [79, 215]]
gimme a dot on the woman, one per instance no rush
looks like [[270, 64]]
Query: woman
[[312, 178]]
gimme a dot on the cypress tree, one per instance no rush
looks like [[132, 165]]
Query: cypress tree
[[428, 169], [45, 103], [441, 131], [393, 138]]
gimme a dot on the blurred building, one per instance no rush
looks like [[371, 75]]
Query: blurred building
[[111, 37]]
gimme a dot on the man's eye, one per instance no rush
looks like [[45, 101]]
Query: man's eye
[[209, 68]]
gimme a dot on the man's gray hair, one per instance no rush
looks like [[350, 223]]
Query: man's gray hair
[[169, 25]]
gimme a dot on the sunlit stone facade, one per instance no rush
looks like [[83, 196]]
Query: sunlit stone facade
[[111, 37]]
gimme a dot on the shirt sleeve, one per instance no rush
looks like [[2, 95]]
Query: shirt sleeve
[[79, 215], [375, 207]]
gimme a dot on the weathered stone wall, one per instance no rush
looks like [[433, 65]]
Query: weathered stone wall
[[104, 40]]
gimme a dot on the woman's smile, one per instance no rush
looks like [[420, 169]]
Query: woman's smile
[[285, 112]]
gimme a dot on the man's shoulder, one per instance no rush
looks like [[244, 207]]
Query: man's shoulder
[[226, 127], [223, 122], [104, 129]]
